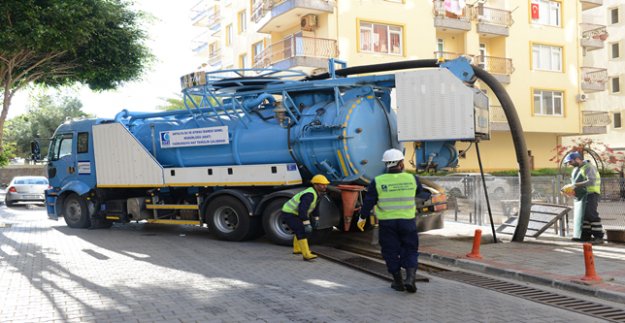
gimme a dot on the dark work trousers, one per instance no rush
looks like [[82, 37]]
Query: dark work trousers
[[592, 221], [295, 224], [399, 241]]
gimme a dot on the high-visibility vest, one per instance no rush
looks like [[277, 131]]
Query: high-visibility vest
[[292, 205], [581, 172], [396, 196]]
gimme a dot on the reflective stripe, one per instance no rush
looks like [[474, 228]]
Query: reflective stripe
[[396, 199], [398, 207]]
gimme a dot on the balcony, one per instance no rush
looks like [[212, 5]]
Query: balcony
[[451, 21], [498, 120], [594, 79], [593, 36], [279, 15], [595, 122], [493, 22], [589, 4], [199, 14], [200, 48], [500, 67], [447, 55], [214, 57], [297, 51]]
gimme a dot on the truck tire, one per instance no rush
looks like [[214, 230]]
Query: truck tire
[[275, 229], [75, 212], [229, 219]]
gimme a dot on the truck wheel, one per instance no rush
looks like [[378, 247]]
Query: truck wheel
[[276, 230], [75, 212], [229, 219]]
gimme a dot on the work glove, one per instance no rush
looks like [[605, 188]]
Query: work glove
[[308, 228], [361, 224], [315, 222]]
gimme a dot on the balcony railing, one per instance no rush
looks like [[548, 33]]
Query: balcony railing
[[495, 65], [593, 36], [451, 18], [446, 55], [298, 46], [214, 17], [494, 16], [594, 79], [259, 8], [214, 57], [596, 118]]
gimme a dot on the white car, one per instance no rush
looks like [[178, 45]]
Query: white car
[[462, 184], [26, 189]]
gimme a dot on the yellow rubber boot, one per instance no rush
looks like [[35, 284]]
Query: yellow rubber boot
[[296, 248], [303, 244]]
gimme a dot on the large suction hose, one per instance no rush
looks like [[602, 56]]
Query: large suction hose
[[516, 130]]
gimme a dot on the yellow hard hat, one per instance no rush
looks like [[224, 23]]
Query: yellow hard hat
[[319, 179]]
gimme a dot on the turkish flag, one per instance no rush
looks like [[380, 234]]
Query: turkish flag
[[535, 11]]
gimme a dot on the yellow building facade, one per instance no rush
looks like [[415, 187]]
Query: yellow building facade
[[532, 46]]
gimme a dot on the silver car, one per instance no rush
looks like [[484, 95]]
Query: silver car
[[26, 189]]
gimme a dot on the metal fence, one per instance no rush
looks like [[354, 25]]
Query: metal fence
[[467, 202]]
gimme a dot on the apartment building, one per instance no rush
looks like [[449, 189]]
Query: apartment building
[[533, 47], [603, 78]]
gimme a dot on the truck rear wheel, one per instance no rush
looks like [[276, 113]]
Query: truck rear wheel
[[276, 230], [75, 212], [229, 219]]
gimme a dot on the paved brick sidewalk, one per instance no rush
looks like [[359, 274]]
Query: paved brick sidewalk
[[151, 273], [549, 259]]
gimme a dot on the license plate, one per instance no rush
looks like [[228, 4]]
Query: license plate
[[33, 196]]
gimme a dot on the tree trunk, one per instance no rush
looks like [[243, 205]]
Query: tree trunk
[[6, 102]]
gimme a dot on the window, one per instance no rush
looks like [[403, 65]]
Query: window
[[617, 120], [545, 12], [242, 16], [257, 48], [614, 50], [546, 58], [83, 142], [61, 146], [616, 84], [614, 16], [243, 61], [548, 103], [229, 35], [379, 38]]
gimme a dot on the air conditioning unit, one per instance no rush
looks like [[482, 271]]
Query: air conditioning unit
[[582, 97], [309, 22]]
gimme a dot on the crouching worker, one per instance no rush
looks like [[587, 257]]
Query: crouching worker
[[301, 214], [393, 195]]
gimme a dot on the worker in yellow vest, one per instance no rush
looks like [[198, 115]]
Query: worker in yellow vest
[[586, 185], [301, 214], [393, 195]]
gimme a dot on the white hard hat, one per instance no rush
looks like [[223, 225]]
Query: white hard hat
[[392, 157]]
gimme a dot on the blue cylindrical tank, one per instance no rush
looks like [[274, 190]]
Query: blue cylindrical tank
[[344, 142]]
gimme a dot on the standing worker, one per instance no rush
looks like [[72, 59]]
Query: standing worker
[[393, 195], [297, 212], [586, 186]]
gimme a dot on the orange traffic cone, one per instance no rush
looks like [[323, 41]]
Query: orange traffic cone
[[349, 196], [589, 261], [477, 239]]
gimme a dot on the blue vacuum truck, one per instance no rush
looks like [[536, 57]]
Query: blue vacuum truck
[[250, 139]]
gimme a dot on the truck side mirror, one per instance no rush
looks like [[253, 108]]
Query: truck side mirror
[[35, 151]]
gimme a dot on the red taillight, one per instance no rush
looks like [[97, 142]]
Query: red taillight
[[12, 189]]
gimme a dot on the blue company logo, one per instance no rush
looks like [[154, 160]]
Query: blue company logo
[[291, 167], [165, 138], [384, 188]]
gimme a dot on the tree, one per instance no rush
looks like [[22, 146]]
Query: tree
[[62, 42], [606, 158], [40, 122]]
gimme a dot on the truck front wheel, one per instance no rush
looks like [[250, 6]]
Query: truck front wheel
[[276, 230], [75, 212], [229, 219]]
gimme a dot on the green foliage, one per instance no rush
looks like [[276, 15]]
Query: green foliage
[[59, 42], [6, 154], [176, 103], [40, 122]]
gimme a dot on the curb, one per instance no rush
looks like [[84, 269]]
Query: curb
[[524, 277]]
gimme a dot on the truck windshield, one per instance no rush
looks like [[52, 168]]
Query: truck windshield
[[60, 146]]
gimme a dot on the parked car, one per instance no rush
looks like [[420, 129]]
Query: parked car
[[26, 189], [462, 185]]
